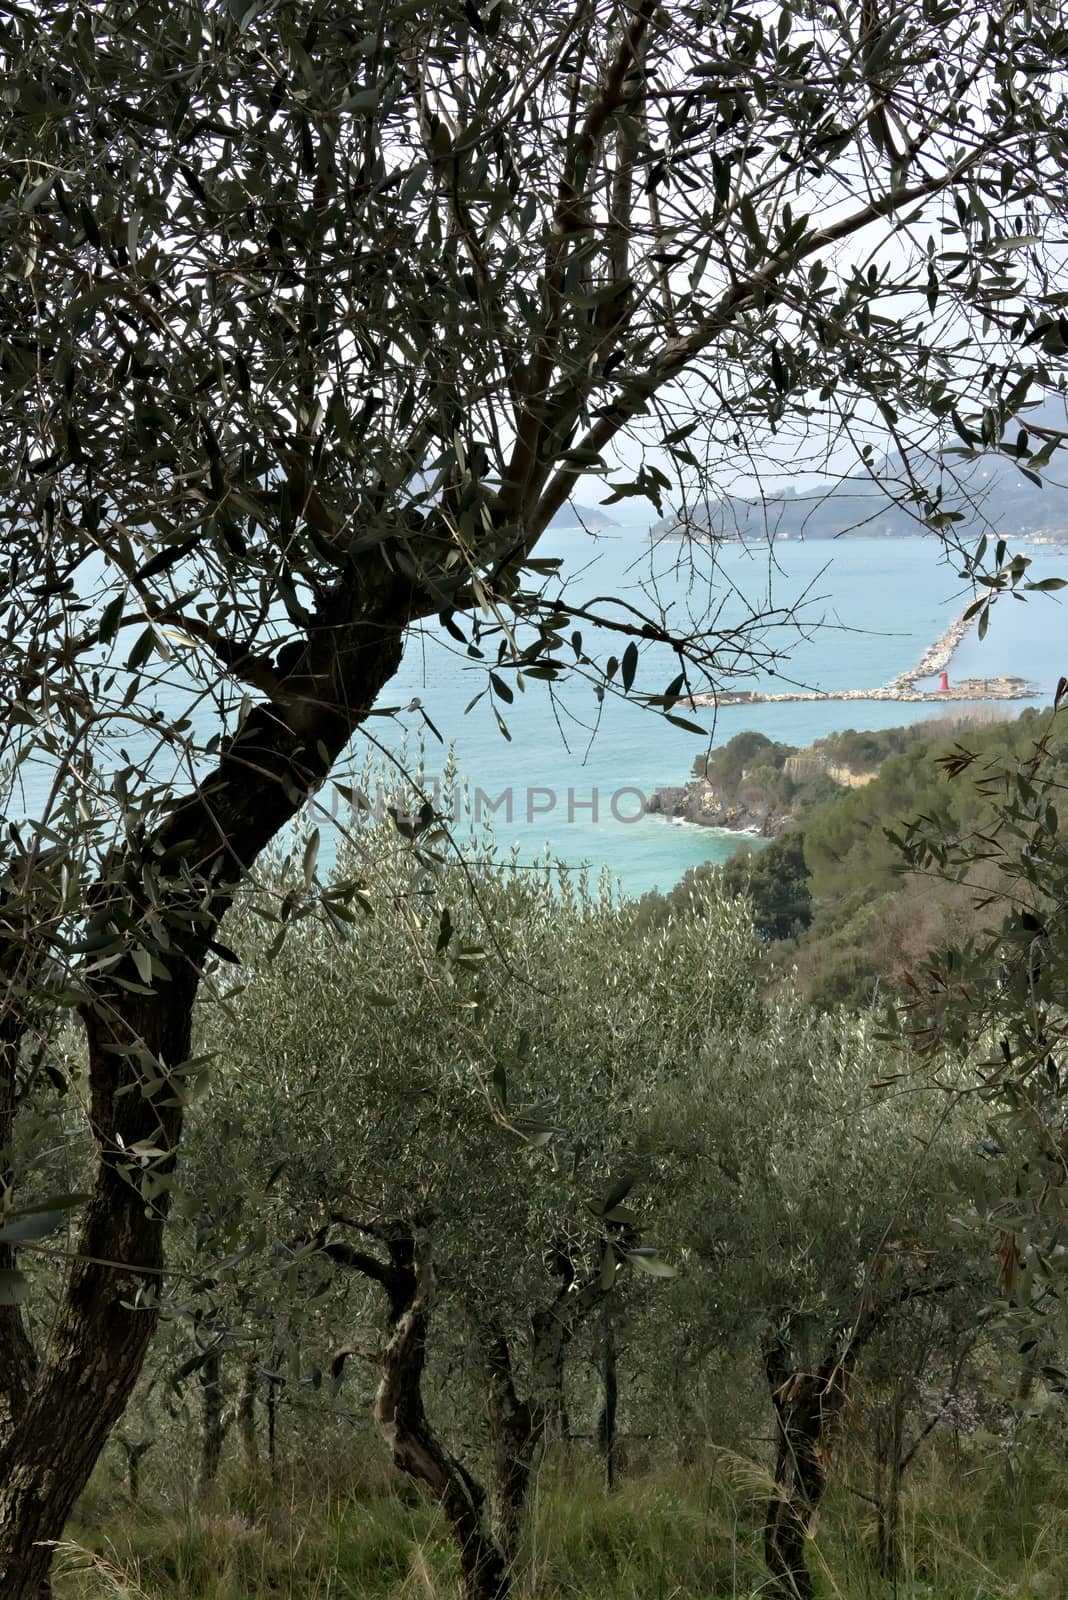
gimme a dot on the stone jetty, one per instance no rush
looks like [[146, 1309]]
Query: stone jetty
[[904, 687]]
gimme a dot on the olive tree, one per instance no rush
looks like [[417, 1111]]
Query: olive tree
[[311, 320], [813, 1201], [806, 1198], [469, 1140], [999, 1002]]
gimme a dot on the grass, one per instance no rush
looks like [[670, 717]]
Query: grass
[[968, 1532]]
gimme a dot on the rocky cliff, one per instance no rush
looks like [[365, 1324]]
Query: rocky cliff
[[752, 806]]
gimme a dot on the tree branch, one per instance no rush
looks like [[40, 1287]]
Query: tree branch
[[677, 353]]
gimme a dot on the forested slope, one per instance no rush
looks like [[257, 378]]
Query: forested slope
[[831, 895]]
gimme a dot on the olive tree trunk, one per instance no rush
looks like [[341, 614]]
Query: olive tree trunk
[[246, 1419], [521, 1430], [399, 1412], [401, 1419], [110, 1309], [518, 1430], [606, 1420], [212, 1424], [806, 1405], [134, 1451], [60, 1411]]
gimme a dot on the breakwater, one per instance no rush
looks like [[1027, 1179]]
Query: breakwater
[[904, 687]]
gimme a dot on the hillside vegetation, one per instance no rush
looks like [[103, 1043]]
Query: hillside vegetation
[[831, 898], [533, 1243], [395, 1218]]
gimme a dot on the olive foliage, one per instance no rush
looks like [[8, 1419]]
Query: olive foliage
[[311, 320]]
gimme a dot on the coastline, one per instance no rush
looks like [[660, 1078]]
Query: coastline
[[936, 658], [703, 804]]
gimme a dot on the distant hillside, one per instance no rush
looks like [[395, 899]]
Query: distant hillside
[[839, 919], [1001, 498], [572, 515]]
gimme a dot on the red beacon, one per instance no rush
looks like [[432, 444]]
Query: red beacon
[[944, 685]]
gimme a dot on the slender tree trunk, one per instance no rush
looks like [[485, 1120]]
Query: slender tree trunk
[[246, 1419], [889, 1510], [134, 1453], [212, 1430], [606, 1422], [893, 1459], [1028, 1374], [880, 1478], [273, 1386], [517, 1434]]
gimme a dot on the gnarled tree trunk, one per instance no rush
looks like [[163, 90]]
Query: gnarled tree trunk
[[806, 1406], [21, 955], [401, 1418], [63, 1412], [110, 1309], [520, 1430]]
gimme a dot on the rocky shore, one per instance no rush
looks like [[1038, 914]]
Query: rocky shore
[[699, 803]]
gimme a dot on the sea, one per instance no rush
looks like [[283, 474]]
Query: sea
[[562, 775], [568, 777]]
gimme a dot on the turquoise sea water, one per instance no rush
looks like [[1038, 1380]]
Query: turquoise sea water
[[870, 607], [867, 609]]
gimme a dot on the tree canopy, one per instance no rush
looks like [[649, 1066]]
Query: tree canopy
[[311, 320]]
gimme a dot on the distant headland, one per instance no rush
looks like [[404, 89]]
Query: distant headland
[[755, 785], [572, 515], [989, 492]]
